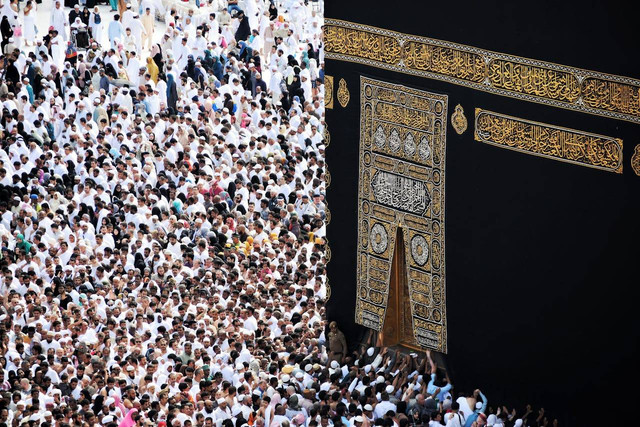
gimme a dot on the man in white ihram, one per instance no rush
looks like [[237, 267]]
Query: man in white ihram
[[59, 20]]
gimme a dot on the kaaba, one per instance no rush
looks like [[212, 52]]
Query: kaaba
[[484, 192]]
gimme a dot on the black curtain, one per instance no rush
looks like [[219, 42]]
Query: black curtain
[[541, 256]]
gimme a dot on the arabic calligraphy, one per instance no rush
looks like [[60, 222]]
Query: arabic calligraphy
[[549, 141], [444, 60], [362, 43], [538, 81], [611, 96], [404, 116], [400, 192], [507, 75]]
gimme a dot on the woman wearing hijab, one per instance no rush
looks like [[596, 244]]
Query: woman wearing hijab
[[85, 16], [311, 53], [199, 75], [228, 103], [152, 69], [95, 23], [6, 30], [83, 75], [313, 70], [36, 81], [244, 29], [156, 54], [273, 11], [23, 244], [110, 71], [172, 93], [191, 68], [207, 61], [218, 68], [295, 89]]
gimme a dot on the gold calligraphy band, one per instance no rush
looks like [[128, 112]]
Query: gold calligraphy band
[[546, 83], [545, 140]]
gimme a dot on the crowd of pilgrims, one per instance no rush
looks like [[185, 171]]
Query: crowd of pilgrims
[[163, 220]]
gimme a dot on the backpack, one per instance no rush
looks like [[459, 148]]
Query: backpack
[[97, 19]]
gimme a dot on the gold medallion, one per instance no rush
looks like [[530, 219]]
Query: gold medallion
[[343, 93], [458, 120]]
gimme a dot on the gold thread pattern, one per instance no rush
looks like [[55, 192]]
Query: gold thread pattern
[[328, 91], [369, 45], [327, 136], [531, 80], [401, 186], [635, 160], [459, 120], [545, 140], [343, 93]]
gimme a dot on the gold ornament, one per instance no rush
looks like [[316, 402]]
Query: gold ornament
[[343, 93], [635, 160], [458, 120], [328, 91]]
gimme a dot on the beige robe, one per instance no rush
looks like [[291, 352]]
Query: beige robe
[[147, 22]]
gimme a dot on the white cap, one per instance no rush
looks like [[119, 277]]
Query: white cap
[[370, 351], [389, 389], [285, 378]]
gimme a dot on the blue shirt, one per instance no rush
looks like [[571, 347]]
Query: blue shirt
[[116, 30], [431, 388]]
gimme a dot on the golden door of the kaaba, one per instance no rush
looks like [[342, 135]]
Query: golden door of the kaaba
[[398, 328]]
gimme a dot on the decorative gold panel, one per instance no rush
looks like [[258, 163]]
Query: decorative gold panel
[[401, 184], [554, 142], [507, 75], [328, 91]]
